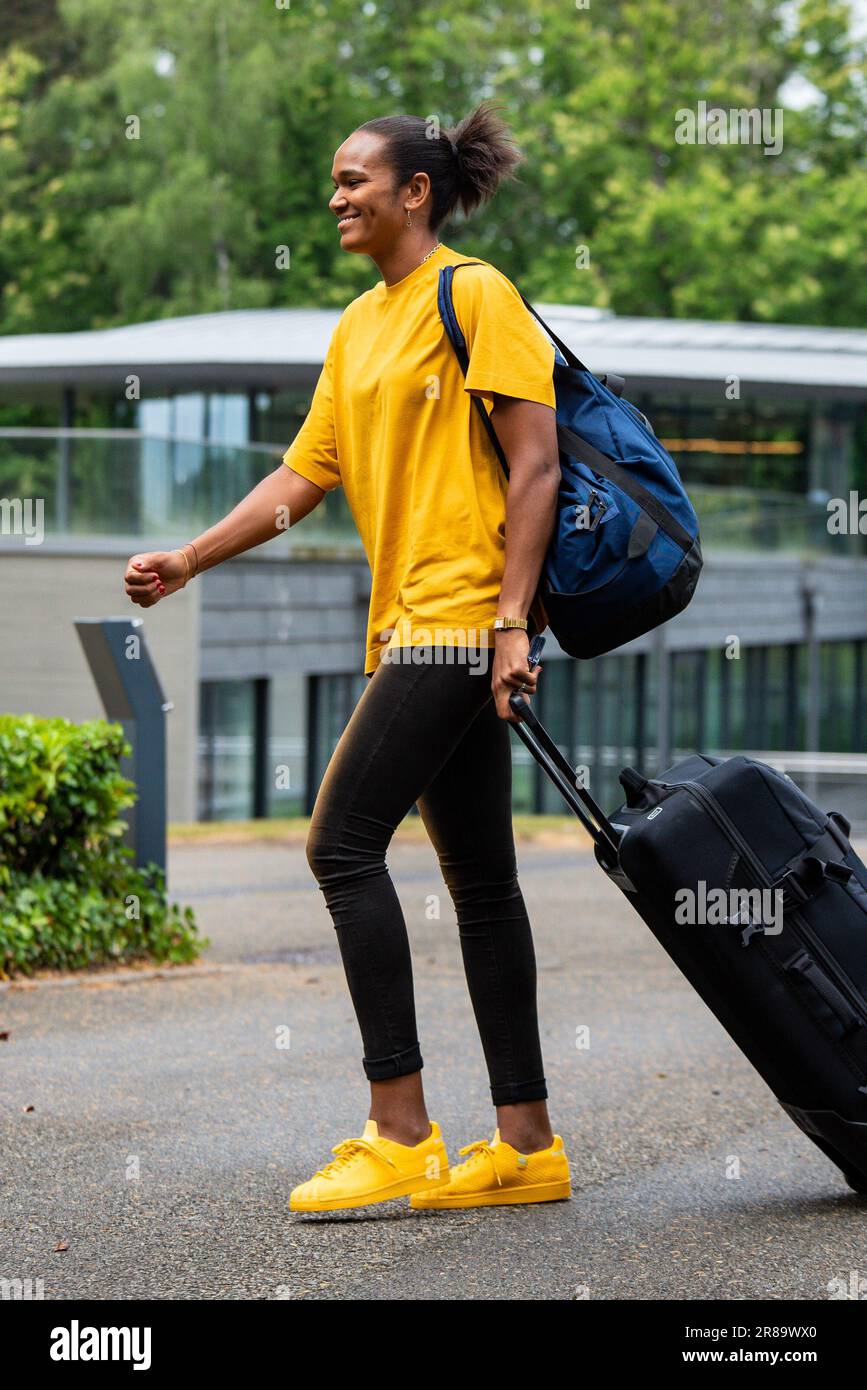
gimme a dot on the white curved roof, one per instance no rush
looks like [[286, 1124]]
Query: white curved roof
[[281, 346]]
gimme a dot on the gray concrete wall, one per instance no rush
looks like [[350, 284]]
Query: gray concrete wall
[[271, 614], [281, 612], [758, 599], [43, 669], [274, 613]]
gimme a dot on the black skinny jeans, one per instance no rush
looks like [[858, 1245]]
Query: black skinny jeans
[[429, 733]]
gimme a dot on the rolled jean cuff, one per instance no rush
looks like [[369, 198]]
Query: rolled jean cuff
[[517, 1092], [397, 1064]]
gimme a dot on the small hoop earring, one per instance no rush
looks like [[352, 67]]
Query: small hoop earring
[[408, 218]]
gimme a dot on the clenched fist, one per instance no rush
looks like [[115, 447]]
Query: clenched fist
[[151, 577]]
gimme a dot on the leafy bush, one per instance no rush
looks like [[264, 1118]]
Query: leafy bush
[[70, 894]]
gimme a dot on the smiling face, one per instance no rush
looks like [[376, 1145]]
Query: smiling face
[[370, 214]]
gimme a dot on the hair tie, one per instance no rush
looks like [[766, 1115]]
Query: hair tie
[[455, 151]]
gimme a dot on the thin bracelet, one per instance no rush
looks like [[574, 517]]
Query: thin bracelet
[[187, 563], [196, 553]]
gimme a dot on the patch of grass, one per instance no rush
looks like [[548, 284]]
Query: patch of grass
[[294, 829]]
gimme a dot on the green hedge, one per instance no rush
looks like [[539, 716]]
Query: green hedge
[[70, 894]]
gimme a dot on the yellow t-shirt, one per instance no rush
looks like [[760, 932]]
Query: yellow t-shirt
[[392, 420]]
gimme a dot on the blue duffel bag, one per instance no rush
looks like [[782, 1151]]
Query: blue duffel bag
[[625, 553]]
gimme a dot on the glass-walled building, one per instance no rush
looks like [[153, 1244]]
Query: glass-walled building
[[139, 436]]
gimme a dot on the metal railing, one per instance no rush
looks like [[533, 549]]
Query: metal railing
[[112, 482], [746, 519], [128, 483], [835, 781]]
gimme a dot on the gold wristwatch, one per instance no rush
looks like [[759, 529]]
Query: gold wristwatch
[[500, 623]]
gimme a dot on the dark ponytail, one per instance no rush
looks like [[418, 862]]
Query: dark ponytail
[[465, 164]]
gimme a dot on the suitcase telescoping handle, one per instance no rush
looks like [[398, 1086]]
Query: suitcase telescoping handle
[[540, 743]]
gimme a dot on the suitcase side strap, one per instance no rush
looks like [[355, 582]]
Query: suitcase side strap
[[803, 964], [853, 1043], [777, 946], [807, 873]]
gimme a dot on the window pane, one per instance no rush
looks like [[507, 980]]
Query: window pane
[[286, 759], [227, 750]]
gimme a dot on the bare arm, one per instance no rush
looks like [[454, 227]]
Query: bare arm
[[278, 502], [528, 434]]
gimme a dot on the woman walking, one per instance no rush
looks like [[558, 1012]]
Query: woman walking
[[455, 555]]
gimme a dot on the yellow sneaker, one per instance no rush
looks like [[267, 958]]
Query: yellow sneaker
[[374, 1169], [495, 1175]]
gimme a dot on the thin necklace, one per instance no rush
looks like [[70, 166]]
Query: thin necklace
[[420, 264]]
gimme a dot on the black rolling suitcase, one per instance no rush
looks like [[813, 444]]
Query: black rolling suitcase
[[760, 900]]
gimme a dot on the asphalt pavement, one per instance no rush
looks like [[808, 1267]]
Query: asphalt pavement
[[153, 1124]]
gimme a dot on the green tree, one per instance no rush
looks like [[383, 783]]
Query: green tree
[[156, 158]]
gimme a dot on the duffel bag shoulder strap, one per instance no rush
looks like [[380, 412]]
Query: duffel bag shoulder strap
[[614, 382], [571, 359], [458, 342]]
